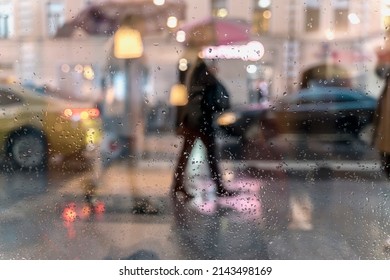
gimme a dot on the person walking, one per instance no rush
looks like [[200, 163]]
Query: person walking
[[196, 122], [381, 135]]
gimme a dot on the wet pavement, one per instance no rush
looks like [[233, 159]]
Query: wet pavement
[[278, 213]]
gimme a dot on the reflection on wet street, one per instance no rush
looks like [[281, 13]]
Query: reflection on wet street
[[221, 228], [277, 213]]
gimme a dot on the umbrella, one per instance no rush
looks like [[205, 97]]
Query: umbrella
[[383, 55], [104, 19], [213, 31]]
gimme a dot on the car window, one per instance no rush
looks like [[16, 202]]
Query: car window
[[309, 97], [346, 98], [196, 130], [8, 97]]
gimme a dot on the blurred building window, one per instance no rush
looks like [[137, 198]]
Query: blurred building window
[[219, 8], [55, 17], [8, 98], [341, 10], [79, 80], [6, 20], [312, 15], [386, 15], [261, 16]]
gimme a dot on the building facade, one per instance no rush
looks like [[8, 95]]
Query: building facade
[[30, 52], [300, 34], [296, 35]]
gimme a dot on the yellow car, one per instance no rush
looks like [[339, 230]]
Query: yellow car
[[35, 126]]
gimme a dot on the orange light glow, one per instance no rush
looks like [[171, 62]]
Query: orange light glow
[[83, 114], [85, 212], [69, 214], [93, 113], [100, 207], [68, 113]]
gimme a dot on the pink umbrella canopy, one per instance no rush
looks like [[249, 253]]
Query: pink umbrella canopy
[[104, 19], [216, 32], [383, 55]]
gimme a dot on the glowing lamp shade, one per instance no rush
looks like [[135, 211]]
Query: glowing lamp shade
[[127, 43], [178, 95]]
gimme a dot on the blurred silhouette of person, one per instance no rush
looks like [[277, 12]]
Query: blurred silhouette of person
[[197, 123], [381, 135], [262, 91]]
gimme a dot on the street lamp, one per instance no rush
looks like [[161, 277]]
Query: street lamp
[[127, 46], [127, 43], [178, 95]]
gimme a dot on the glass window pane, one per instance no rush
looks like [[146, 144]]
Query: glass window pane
[[219, 8], [6, 20], [55, 16], [312, 19], [261, 16]]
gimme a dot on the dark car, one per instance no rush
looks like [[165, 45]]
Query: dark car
[[319, 111]]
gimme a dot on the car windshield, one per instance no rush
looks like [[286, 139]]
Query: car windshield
[[326, 95], [194, 130]]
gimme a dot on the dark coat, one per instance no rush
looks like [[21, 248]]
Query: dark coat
[[203, 82], [206, 97]]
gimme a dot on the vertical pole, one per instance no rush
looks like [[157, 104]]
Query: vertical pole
[[128, 86], [127, 117], [326, 51], [291, 46]]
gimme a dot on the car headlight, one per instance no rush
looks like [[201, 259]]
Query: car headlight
[[227, 119]]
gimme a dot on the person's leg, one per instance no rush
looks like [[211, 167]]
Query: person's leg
[[216, 174], [385, 161], [178, 180], [385, 158]]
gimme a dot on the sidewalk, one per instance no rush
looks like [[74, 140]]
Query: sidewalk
[[149, 179], [142, 215], [265, 220], [274, 215]]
